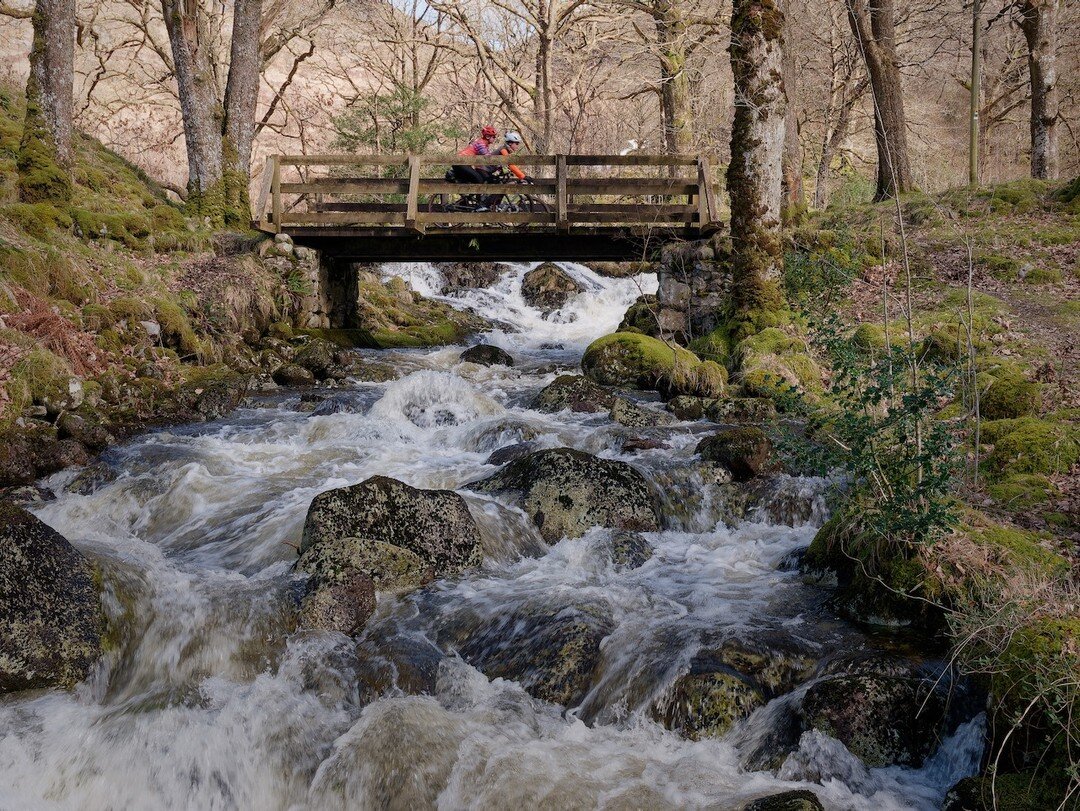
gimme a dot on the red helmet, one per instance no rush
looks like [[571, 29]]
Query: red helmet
[[489, 132]]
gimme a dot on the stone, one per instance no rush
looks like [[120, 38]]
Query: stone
[[317, 356], [68, 399], [509, 453], [567, 492], [153, 329], [642, 316], [627, 412], [573, 392], [796, 800], [548, 287], [741, 409], [434, 524], [630, 549], [745, 451], [342, 606], [686, 407], [51, 620], [468, 275], [292, 375], [84, 429], [388, 567], [487, 355], [882, 718], [92, 478]]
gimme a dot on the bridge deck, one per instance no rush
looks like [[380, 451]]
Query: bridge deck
[[403, 208]]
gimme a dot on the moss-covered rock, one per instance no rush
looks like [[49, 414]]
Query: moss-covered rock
[[1022, 491], [567, 492], [548, 287], [626, 412], [741, 409], [317, 356], [573, 392], [775, 365], [435, 525], [1006, 792], [289, 374], [642, 317], [396, 317], [1031, 445], [633, 360], [1010, 395], [745, 451], [882, 719], [51, 620]]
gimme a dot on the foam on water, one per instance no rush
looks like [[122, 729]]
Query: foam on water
[[212, 701]]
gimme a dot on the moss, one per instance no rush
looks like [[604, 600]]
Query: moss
[[632, 359], [1006, 792], [1017, 547], [1031, 445], [715, 346], [176, 329], [777, 365], [1044, 276], [38, 377], [1022, 491], [869, 336], [1010, 395], [41, 177], [36, 219]]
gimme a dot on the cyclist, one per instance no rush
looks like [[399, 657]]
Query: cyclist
[[480, 146], [511, 144]]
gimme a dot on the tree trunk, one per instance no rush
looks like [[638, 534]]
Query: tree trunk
[[199, 106], [874, 24], [1038, 21], [241, 99], [675, 96], [754, 174], [794, 205], [45, 153]]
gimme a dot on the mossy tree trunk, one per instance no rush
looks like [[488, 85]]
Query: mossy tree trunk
[[241, 100], [45, 154], [202, 113], [1038, 21], [675, 94], [873, 23], [755, 172], [794, 205]]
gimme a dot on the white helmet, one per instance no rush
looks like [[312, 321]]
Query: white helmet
[[512, 137]]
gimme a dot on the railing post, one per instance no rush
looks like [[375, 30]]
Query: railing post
[[264, 193], [704, 214], [412, 202], [561, 220], [275, 193]]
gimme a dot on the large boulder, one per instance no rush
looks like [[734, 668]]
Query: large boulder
[[567, 492], [487, 355], [343, 606], [745, 451], [51, 620], [317, 356], [435, 525], [573, 392], [548, 287], [633, 360], [468, 275], [551, 651]]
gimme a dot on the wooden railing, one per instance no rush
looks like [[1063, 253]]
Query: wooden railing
[[410, 192]]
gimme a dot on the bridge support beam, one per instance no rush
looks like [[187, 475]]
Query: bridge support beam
[[330, 292], [695, 279]]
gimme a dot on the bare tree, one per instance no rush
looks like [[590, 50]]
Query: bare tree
[[241, 100], [45, 154], [794, 199], [1038, 21], [754, 173], [874, 24]]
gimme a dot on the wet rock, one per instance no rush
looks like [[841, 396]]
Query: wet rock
[[630, 549], [567, 492], [292, 375], [797, 800], [317, 356], [468, 275], [487, 355], [548, 287], [637, 443], [342, 606], [883, 719], [551, 651], [370, 371], [745, 451], [573, 392], [341, 404], [51, 621], [214, 394], [741, 409], [685, 407], [409, 662], [64, 399], [388, 567], [433, 524], [510, 452], [621, 270], [627, 412], [53, 454], [642, 316], [92, 478], [85, 429]]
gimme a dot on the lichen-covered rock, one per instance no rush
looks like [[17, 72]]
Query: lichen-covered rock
[[51, 620], [883, 719], [627, 412], [642, 316], [633, 360], [797, 800], [435, 525], [741, 409], [567, 492], [573, 392], [487, 355], [548, 287], [317, 356], [745, 451], [389, 567], [630, 549], [551, 651], [86, 428], [343, 605], [686, 407], [292, 375]]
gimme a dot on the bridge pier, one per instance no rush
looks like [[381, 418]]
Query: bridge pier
[[331, 291], [695, 278]]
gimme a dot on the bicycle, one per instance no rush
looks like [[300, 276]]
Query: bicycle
[[510, 202]]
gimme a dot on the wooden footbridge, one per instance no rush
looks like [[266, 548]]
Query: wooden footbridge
[[402, 207]]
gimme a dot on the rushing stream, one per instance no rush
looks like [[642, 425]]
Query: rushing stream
[[210, 699]]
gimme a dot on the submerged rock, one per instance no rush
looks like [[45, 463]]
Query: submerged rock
[[797, 800], [508, 453], [630, 549], [551, 652], [51, 620], [627, 412], [343, 606], [487, 355], [548, 287], [745, 451], [573, 392], [567, 492]]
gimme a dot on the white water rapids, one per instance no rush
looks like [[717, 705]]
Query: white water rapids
[[209, 699]]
